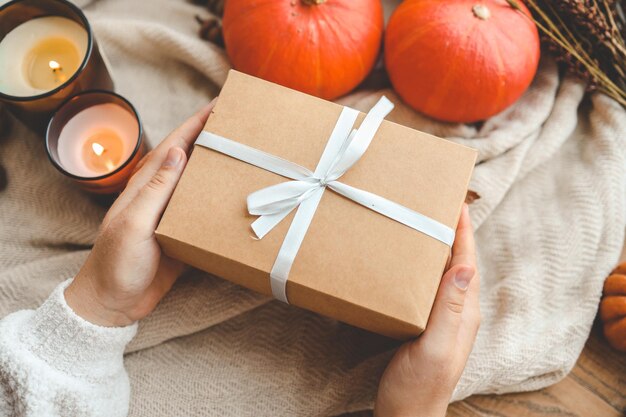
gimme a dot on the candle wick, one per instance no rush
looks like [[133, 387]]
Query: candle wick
[[57, 70], [97, 148]]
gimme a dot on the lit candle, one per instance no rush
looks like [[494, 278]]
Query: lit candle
[[40, 55], [47, 54], [96, 139]]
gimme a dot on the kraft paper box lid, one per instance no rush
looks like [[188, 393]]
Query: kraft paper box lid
[[354, 265]]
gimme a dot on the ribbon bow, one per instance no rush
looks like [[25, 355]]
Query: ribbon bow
[[343, 149]]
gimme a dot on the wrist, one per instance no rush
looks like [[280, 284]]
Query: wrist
[[87, 303], [54, 336]]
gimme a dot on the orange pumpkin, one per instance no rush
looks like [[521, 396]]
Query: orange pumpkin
[[320, 47], [613, 308], [460, 60]]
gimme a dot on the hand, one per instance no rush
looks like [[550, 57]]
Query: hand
[[421, 377], [126, 275]]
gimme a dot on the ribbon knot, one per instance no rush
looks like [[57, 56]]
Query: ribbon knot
[[304, 192]]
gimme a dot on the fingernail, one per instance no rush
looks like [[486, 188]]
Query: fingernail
[[463, 277], [173, 158]]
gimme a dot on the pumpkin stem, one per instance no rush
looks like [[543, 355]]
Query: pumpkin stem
[[313, 2], [480, 11]]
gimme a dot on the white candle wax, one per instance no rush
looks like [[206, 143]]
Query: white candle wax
[[41, 54], [97, 140]]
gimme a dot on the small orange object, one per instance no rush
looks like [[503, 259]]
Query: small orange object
[[613, 308]]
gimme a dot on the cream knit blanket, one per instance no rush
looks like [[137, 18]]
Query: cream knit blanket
[[550, 225]]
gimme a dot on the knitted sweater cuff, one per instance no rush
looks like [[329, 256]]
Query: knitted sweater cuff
[[58, 336]]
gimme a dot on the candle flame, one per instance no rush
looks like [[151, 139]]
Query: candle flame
[[54, 65], [97, 148]]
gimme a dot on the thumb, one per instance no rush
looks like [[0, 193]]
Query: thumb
[[151, 200], [445, 318]]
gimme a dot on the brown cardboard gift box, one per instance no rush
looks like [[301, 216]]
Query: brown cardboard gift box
[[354, 265]]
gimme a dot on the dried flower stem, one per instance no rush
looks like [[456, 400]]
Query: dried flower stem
[[587, 38]]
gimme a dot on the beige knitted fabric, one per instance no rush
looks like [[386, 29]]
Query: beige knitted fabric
[[550, 225]]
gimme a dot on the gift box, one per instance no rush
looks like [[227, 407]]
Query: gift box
[[332, 210]]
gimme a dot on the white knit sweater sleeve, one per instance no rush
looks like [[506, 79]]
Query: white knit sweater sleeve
[[54, 363]]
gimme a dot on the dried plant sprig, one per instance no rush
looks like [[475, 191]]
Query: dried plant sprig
[[211, 27], [211, 30], [587, 36], [216, 7]]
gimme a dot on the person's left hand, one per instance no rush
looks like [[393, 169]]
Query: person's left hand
[[126, 274]]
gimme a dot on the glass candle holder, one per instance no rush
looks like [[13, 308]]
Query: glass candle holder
[[96, 139], [47, 53]]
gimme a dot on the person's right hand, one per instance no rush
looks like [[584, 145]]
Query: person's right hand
[[421, 377]]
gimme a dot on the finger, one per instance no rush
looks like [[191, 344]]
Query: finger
[[182, 137], [185, 135], [445, 318], [146, 208], [463, 249], [470, 320], [464, 252]]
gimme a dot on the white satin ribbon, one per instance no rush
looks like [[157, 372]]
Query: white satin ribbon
[[343, 149]]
